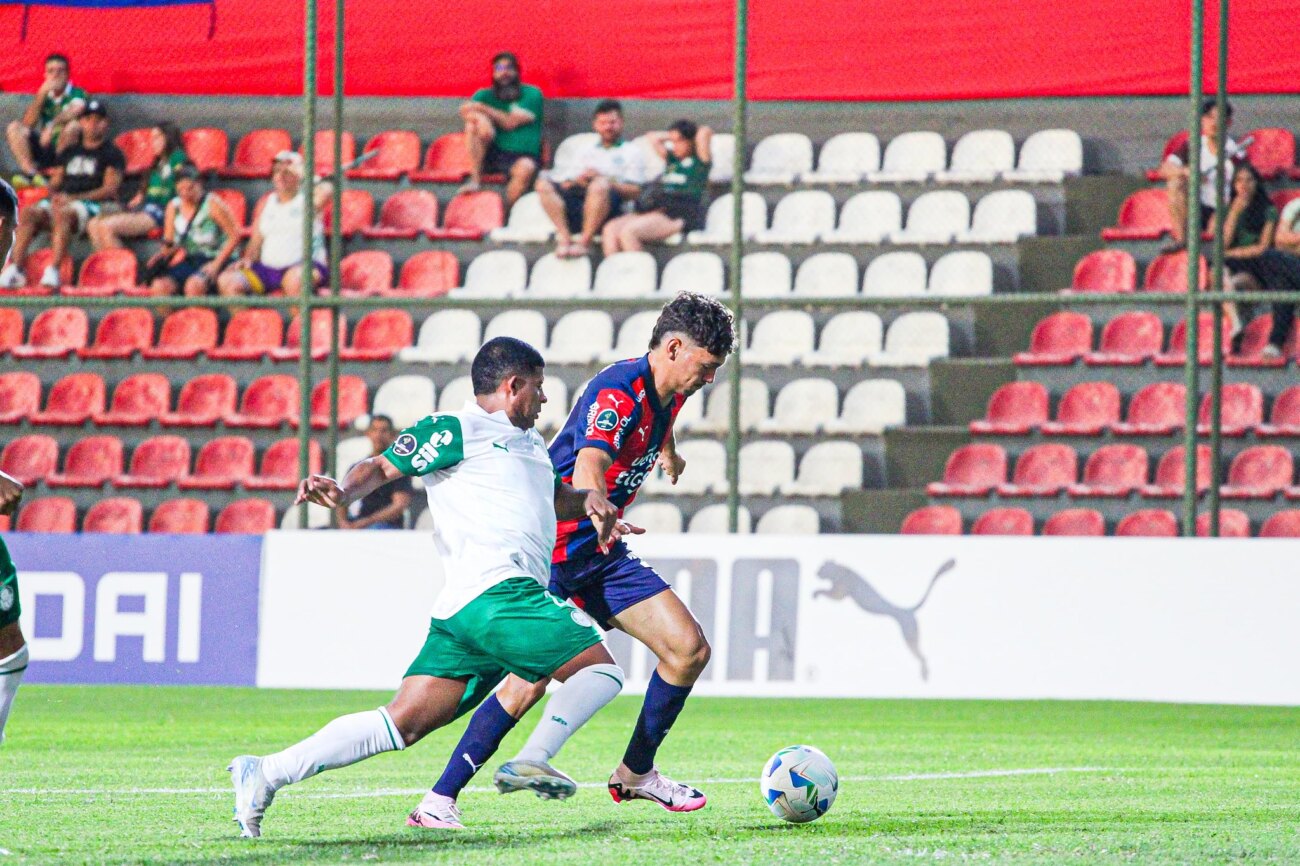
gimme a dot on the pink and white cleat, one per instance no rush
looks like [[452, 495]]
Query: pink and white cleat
[[658, 788], [436, 812]]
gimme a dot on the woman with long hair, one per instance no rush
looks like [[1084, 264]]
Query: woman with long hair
[[675, 202], [146, 209], [1249, 227]]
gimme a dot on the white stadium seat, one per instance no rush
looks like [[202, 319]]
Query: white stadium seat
[[660, 518], [912, 156], [827, 469], [899, 274], [965, 273], [935, 218], [405, 399], [846, 158], [527, 224], [352, 451], [455, 393], [722, 147], [526, 325], [780, 159], [654, 163], [780, 338], [627, 275], [554, 277], [913, 340], [827, 275], [848, 339], [800, 218], [706, 466], [867, 218], [803, 406], [569, 151], [1002, 217], [494, 274], [317, 518], [980, 157], [556, 408], [764, 466], [765, 275], [633, 336], [581, 337], [871, 406], [446, 337], [789, 520], [698, 271], [754, 401], [1049, 156], [714, 520], [717, 225], [691, 413]]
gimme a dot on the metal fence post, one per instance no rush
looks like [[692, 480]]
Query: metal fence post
[[1220, 171], [336, 247], [737, 255], [308, 235], [1190, 367]]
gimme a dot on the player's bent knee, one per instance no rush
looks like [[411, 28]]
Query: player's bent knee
[[517, 696]]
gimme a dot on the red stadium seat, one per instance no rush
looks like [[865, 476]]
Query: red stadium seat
[[933, 520], [320, 337], [1175, 143], [55, 333], [379, 335], [269, 402], [1087, 409], [89, 463], [1105, 271], [34, 266], [428, 274], [157, 462], [398, 153], [1233, 523], [1060, 339], [184, 334], [1113, 470], [1272, 152], [20, 396], [1170, 475], [137, 400], [72, 400], [255, 152], [280, 466], [366, 272], [1259, 472], [203, 401], [1043, 470], [1285, 417], [121, 333], [1157, 410], [972, 470], [1282, 197], [250, 335], [120, 515], [1243, 410], [470, 216], [181, 517], [406, 214], [1280, 524], [1150, 523], [30, 458], [1075, 522], [137, 146], [446, 161], [1015, 408], [1254, 338], [48, 514], [222, 463], [1177, 354], [1129, 339], [354, 401], [246, 517], [1144, 216], [207, 147], [11, 328], [1004, 521], [235, 201], [324, 155], [1168, 273], [358, 211], [105, 272]]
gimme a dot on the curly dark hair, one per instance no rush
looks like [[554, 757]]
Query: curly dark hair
[[703, 320]]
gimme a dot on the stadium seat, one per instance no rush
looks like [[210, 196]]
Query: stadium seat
[[654, 163], [780, 159], [1002, 217], [980, 157], [1075, 522], [895, 275], [1284, 420], [446, 161], [323, 157], [1177, 352], [455, 394], [780, 338], [427, 274], [692, 272], [120, 515], [715, 520], [279, 469], [972, 470], [1150, 522], [20, 396], [1280, 524], [318, 339], [184, 334], [250, 334], [34, 267], [352, 451], [935, 218], [800, 218], [246, 517], [358, 207], [789, 520], [121, 333], [1233, 523], [317, 518], [30, 458], [1259, 472], [626, 275], [236, 203], [1105, 271], [846, 158], [365, 272], [405, 399], [526, 325], [255, 152], [1144, 216], [932, 520], [871, 407], [11, 328], [911, 157], [690, 415], [1048, 156], [353, 401], [137, 146], [827, 275], [221, 464], [1170, 474], [105, 272], [446, 337], [203, 401], [962, 274], [1004, 521], [397, 152], [914, 340], [496, 274], [1087, 409], [405, 214], [1113, 470], [754, 401], [555, 411], [554, 277], [269, 401], [527, 223], [1015, 408], [1271, 152], [48, 514], [717, 223], [707, 460], [470, 216], [181, 517], [156, 463], [661, 518], [1242, 410], [1042, 470], [1254, 337], [89, 462], [54, 333], [1058, 340], [1129, 339], [570, 151], [1157, 409], [764, 466], [847, 340], [723, 150], [803, 406], [827, 469], [207, 147], [72, 400], [581, 337], [867, 218], [634, 338], [1168, 273]]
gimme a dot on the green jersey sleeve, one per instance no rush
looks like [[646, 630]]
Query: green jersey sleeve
[[434, 443]]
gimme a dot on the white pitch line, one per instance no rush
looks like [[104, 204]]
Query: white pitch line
[[407, 792]]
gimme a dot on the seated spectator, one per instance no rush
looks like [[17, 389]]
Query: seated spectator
[[86, 180], [144, 212], [675, 202], [386, 507], [273, 258], [1174, 170], [605, 176], [503, 129], [199, 235], [47, 127]]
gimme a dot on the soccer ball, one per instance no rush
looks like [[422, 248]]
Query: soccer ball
[[799, 784]]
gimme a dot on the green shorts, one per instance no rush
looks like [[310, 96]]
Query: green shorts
[[9, 606], [516, 627]]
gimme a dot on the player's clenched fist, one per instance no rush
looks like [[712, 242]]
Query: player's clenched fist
[[319, 490]]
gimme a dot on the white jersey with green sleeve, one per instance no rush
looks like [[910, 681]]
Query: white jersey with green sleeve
[[491, 488]]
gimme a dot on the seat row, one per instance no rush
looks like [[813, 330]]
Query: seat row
[[125, 515], [665, 518], [1151, 522], [1113, 270], [767, 468], [1271, 150], [1144, 215]]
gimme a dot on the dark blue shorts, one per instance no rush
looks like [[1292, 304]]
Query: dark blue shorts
[[605, 585]]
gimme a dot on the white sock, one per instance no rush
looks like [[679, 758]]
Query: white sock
[[344, 741], [569, 709], [11, 674]]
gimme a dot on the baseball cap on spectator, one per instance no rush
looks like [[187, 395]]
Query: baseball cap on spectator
[[293, 157], [94, 106], [186, 171]]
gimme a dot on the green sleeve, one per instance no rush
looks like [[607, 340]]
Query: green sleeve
[[530, 99], [484, 96], [78, 93], [432, 444]]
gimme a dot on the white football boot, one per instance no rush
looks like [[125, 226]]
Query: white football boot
[[436, 812], [253, 794], [537, 776]]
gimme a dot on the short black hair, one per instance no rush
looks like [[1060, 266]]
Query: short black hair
[[687, 129], [499, 359], [605, 106], [1209, 106], [62, 58], [386, 419], [704, 320], [507, 55]]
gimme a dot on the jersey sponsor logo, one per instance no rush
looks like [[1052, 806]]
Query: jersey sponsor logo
[[7, 597], [428, 452], [405, 445], [606, 420]]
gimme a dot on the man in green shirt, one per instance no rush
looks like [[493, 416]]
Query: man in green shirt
[[46, 127], [503, 129]]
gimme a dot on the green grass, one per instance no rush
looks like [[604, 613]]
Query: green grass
[[1171, 784]]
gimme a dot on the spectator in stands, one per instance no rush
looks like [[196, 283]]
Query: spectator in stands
[[199, 236], [675, 202], [1174, 170], [87, 178], [386, 507], [503, 129], [602, 179], [48, 126], [1288, 228], [144, 212], [273, 258]]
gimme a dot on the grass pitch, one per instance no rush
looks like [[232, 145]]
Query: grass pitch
[[136, 775]]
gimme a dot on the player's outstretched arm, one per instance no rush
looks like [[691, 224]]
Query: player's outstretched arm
[[572, 503], [362, 479]]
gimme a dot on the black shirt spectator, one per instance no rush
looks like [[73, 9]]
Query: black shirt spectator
[[386, 507], [84, 167]]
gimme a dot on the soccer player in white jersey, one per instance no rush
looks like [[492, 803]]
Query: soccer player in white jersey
[[495, 498]]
